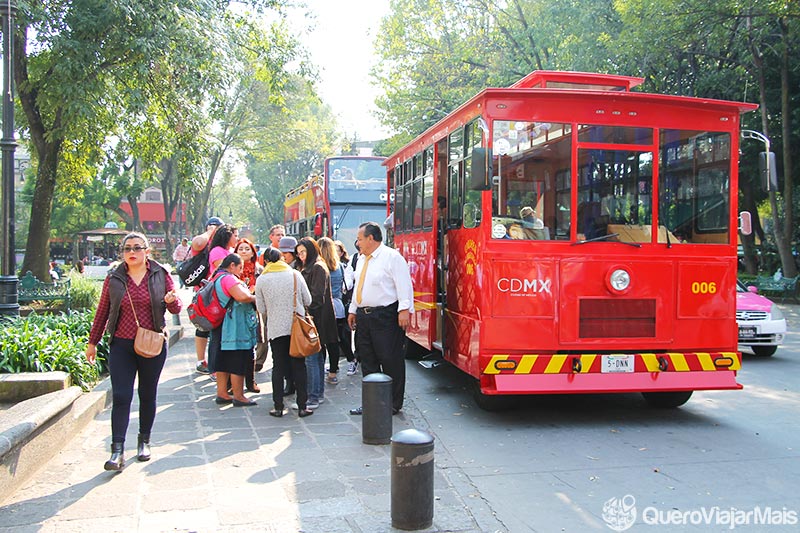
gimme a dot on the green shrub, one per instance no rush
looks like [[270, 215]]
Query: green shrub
[[43, 343], [85, 292]]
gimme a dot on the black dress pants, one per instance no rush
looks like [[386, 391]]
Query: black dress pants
[[380, 345]]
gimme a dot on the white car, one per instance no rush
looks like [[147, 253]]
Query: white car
[[762, 326]]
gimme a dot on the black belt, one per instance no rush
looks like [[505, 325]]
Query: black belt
[[368, 310]]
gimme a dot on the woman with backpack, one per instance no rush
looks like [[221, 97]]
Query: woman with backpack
[[231, 344], [140, 284]]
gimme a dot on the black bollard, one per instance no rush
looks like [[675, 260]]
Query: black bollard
[[376, 403], [412, 480]]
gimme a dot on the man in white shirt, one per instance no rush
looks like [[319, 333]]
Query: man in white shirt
[[181, 254], [380, 310]]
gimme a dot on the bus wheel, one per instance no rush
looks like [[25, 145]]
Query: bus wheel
[[764, 351], [414, 351], [492, 402], [667, 400]]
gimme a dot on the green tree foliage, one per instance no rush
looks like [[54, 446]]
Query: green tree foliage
[[302, 135], [736, 51], [82, 65], [436, 54]]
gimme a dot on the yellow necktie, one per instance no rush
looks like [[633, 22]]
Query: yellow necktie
[[361, 279]]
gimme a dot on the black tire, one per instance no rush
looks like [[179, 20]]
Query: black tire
[[764, 351], [667, 400], [493, 402]]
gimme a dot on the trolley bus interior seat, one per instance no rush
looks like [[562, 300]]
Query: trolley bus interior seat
[[517, 231], [634, 233]]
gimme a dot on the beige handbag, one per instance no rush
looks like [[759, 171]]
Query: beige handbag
[[148, 343]]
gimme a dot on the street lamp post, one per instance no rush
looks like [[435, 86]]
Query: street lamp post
[[9, 304]]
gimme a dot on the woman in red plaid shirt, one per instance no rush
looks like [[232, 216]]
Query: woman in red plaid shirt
[[142, 286]]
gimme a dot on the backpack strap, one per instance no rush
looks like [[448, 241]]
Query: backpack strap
[[221, 296]]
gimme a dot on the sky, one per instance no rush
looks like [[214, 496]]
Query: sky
[[339, 41]]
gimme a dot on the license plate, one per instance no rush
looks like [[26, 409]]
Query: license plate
[[747, 332], [617, 363]]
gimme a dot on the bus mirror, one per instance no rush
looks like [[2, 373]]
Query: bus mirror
[[745, 223], [769, 178], [317, 226], [481, 170]]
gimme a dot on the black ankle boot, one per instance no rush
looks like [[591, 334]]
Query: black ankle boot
[[143, 448], [117, 460], [289, 389]]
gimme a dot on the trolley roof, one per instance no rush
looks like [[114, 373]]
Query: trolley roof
[[559, 84]]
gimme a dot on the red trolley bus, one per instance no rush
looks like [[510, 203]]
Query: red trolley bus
[[568, 235], [352, 190]]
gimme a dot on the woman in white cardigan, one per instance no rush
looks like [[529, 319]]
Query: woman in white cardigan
[[281, 290]]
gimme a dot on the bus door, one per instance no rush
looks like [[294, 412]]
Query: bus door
[[440, 283]]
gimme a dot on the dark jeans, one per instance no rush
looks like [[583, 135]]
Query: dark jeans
[[124, 365], [281, 362], [379, 343]]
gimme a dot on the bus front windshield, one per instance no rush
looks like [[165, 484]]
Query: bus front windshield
[[535, 185], [357, 180], [347, 219]]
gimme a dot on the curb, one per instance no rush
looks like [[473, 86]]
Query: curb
[[39, 427]]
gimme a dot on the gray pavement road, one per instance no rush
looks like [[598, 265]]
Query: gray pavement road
[[550, 466]]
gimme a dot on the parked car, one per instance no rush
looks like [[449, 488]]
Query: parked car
[[762, 326]]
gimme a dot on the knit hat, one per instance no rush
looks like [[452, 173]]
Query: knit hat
[[287, 244]]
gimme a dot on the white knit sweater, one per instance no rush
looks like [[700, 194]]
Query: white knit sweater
[[274, 300]]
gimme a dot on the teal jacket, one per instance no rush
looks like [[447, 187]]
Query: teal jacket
[[239, 326]]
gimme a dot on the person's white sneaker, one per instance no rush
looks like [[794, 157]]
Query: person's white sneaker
[[352, 368]]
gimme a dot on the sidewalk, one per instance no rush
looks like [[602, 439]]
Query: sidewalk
[[233, 469]]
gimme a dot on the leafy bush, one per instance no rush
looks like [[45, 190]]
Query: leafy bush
[[43, 343], [85, 292]]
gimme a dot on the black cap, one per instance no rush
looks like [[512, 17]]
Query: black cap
[[214, 221]]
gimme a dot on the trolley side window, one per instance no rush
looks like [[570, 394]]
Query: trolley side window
[[694, 186], [614, 195], [532, 184]]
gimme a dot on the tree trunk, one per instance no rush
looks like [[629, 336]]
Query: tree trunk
[[777, 227], [47, 144], [170, 192], [748, 241], [787, 258], [37, 249]]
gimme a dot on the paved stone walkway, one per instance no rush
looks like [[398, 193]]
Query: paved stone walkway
[[229, 469]]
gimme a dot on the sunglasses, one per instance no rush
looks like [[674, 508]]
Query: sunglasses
[[136, 249]]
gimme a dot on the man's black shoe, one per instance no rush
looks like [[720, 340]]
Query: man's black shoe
[[358, 411]]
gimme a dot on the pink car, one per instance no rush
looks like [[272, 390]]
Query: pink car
[[762, 326]]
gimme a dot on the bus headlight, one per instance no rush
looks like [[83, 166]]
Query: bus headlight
[[619, 279]]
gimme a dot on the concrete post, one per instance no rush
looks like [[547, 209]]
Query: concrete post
[[412, 480], [376, 403]]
